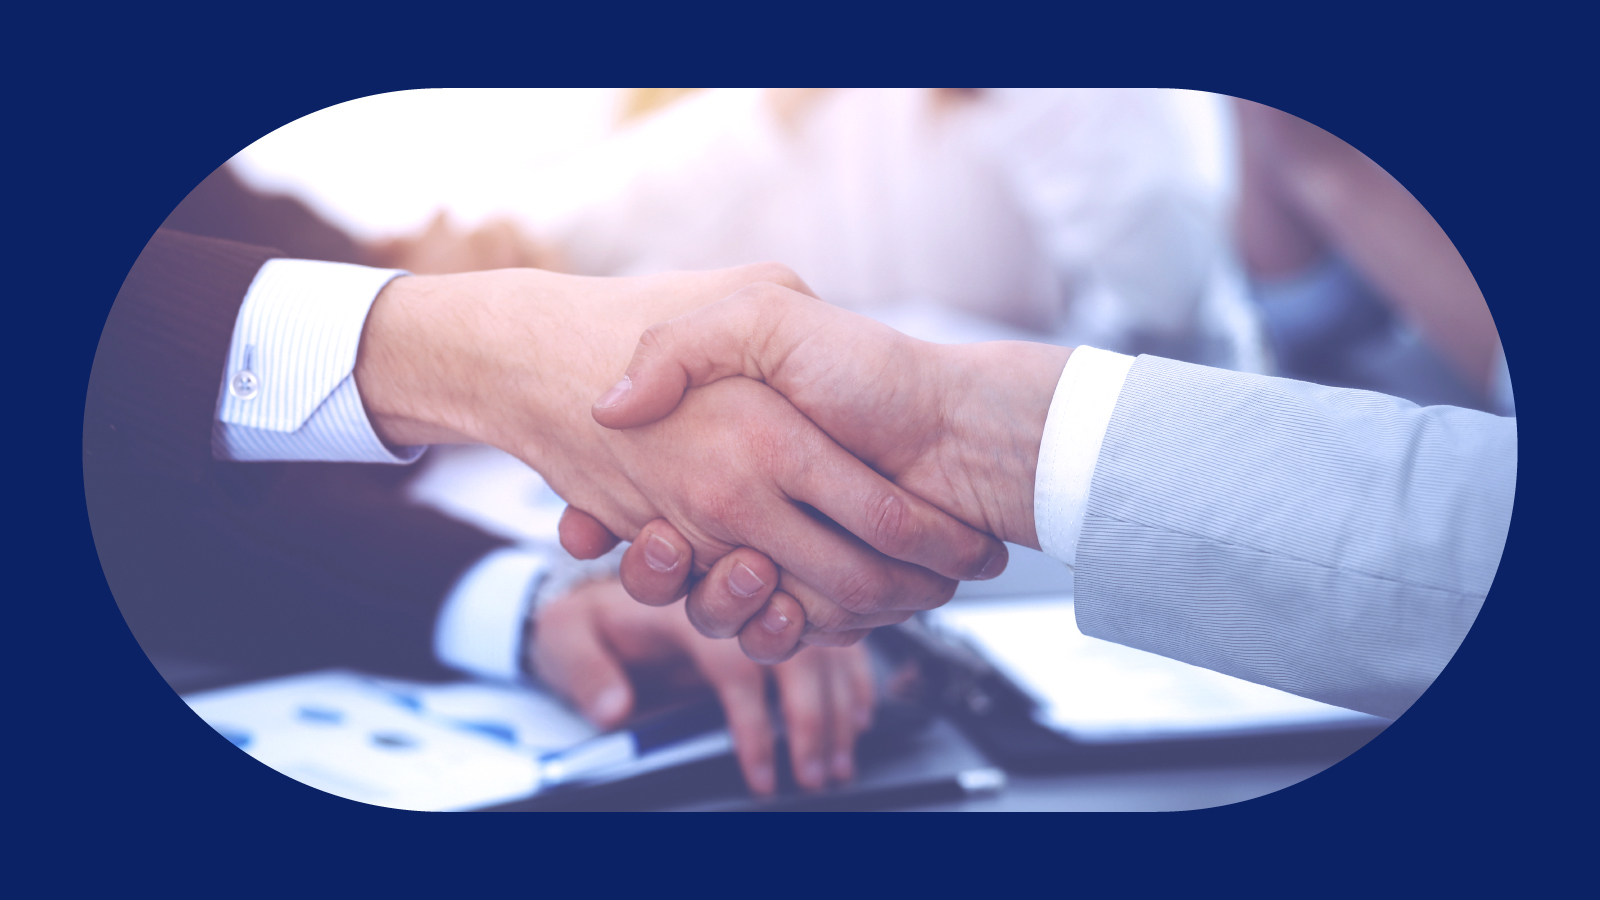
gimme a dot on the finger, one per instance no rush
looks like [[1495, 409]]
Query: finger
[[762, 642], [570, 655], [890, 519], [583, 536], [863, 687], [822, 614], [803, 692], [842, 719], [773, 635], [713, 342], [834, 638], [655, 568], [824, 562], [734, 590], [741, 685]]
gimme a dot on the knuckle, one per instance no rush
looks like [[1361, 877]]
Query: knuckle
[[805, 721], [829, 617], [893, 528], [722, 505], [865, 590], [762, 448], [656, 336], [937, 594], [774, 273]]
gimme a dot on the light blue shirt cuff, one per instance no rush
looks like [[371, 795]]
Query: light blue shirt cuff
[[287, 391], [480, 626]]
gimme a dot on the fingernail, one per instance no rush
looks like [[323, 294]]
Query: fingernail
[[744, 582], [614, 396], [660, 555], [812, 774], [773, 620], [610, 705], [762, 779], [994, 565], [843, 765]]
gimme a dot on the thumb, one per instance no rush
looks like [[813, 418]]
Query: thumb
[[734, 336]]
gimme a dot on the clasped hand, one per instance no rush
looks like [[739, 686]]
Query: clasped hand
[[737, 498], [955, 426]]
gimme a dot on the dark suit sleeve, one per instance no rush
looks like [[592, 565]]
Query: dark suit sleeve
[[260, 566]]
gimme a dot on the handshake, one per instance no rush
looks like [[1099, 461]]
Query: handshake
[[801, 473]]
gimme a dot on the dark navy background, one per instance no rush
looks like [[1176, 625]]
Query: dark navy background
[[1485, 782]]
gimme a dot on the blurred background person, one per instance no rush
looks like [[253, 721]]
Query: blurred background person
[[1357, 284], [1072, 216], [1178, 223]]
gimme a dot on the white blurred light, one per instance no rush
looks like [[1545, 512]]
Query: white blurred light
[[385, 164]]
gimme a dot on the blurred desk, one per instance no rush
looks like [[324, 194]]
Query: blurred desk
[[940, 750], [1148, 790], [1093, 778], [1183, 781], [1151, 791], [1132, 778]]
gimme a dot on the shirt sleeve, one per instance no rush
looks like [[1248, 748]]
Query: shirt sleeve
[[483, 621], [1074, 428], [287, 391]]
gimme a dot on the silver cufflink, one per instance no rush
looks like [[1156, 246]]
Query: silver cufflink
[[245, 384]]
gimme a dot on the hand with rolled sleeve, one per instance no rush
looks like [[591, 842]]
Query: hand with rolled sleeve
[[1332, 543]]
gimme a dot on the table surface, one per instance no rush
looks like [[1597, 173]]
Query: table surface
[[1147, 791], [1144, 790], [941, 749]]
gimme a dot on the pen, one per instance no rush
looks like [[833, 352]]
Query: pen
[[698, 728]]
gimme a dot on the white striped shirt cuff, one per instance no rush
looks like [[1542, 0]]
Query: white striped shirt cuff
[[287, 391], [480, 625], [1074, 429]]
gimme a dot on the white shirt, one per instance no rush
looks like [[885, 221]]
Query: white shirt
[[1080, 413], [288, 393]]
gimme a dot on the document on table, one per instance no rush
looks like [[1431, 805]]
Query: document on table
[[395, 743], [1096, 691]]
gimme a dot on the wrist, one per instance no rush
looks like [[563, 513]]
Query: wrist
[[407, 361], [509, 357], [999, 403]]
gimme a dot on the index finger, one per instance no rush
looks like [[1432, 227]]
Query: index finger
[[890, 519], [741, 686]]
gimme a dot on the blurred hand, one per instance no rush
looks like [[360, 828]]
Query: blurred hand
[[957, 425], [512, 357], [584, 644]]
